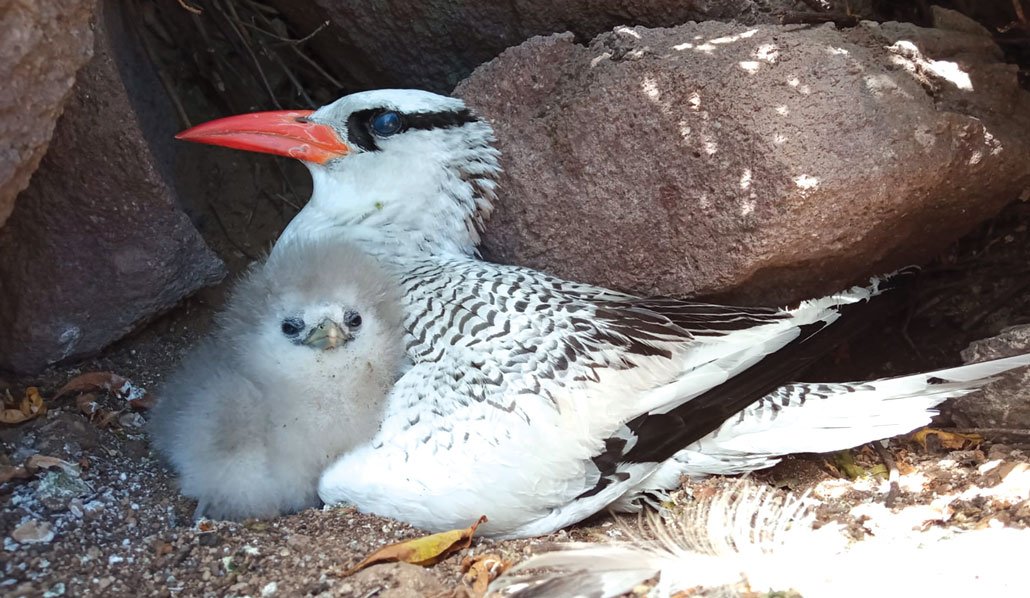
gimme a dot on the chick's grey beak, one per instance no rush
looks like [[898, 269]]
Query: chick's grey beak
[[327, 335]]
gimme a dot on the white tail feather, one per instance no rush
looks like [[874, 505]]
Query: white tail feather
[[750, 539], [833, 417]]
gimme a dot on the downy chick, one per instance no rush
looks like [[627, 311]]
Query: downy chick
[[295, 374]]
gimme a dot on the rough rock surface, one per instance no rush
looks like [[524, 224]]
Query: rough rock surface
[[42, 45], [96, 244], [756, 164], [1004, 403], [433, 45]]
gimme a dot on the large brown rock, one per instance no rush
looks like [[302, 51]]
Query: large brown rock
[[97, 243], [433, 45], [1004, 403], [756, 164], [42, 45]]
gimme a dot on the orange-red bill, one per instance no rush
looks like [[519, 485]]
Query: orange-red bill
[[281, 132]]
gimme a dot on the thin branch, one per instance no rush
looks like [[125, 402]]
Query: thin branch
[[191, 8], [892, 474], [287, 40]]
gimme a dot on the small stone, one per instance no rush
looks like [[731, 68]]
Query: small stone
[[33, 532], [58, 487], [270, 589], [131, 420], [56, 590], [999, 451], [92, 509], [209, 539]]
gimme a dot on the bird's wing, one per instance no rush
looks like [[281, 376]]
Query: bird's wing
[[571, 390]]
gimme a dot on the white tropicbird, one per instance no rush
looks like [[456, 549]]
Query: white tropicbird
[[535, 400]]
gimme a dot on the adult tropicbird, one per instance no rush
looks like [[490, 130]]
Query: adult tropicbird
[[535, 400]]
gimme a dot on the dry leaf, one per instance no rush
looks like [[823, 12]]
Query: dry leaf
[[87, 404], [37, 462], [92, 382], [480, 570], [10, 472], [144, 403], [948, 440], [31, 466], [30, 406], [106, 418], [425, 551], [111, 383]]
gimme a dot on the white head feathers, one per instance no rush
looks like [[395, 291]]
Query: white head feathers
[[419, 177]]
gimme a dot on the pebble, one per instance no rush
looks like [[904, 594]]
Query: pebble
[[209, 539], [58, 487], [33, 532]]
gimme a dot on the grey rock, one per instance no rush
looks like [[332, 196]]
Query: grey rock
[[434, 45], [1004, 403], [97, 244], [42, 45], [759, 164], [57, 488]]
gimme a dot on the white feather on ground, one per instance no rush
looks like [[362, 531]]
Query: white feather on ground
[[252, 416], [749, 539]]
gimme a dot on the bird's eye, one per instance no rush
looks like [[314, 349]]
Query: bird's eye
[[292, 326], [385, 124], [352, 319]]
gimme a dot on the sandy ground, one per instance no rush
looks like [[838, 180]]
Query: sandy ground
[[113, 524]]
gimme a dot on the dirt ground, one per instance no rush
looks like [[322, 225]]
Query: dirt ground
[[114, 524]]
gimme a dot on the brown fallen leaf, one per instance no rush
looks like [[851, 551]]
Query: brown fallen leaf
[[87, 404], [31, 466], [37, 462], [93, 382], [111, 383], [480, 570], [948, 440], [29, 407], [106, 418], [425, 551], [11, 472]]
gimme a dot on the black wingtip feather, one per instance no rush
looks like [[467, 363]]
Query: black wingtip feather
[[660, 436]]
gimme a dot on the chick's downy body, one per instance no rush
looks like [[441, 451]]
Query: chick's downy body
[[294, 375]]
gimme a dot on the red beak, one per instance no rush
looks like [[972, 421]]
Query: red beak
[[281, 132]]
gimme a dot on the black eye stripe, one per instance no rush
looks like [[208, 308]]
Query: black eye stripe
[[359, 124], [439, 120], [359, 132]]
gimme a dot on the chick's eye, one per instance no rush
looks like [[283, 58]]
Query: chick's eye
[[385, 124], [292, 326], [352, 319]]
